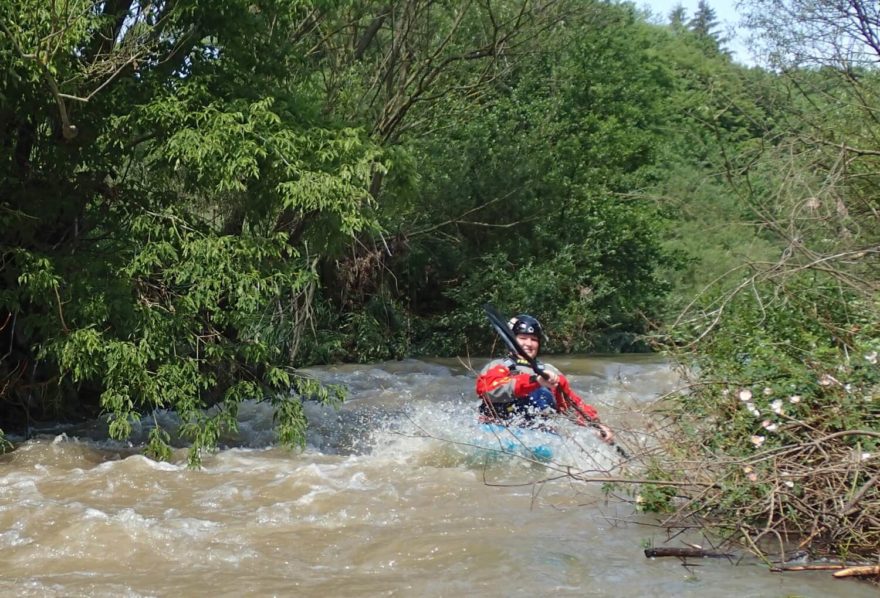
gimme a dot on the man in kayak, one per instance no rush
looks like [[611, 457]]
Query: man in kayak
[[512, 390]]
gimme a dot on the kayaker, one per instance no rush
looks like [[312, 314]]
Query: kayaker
[[511, 390]]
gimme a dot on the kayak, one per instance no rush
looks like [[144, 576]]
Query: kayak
[[521, 442]]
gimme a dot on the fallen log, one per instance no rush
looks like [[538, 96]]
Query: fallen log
[[858, 571], [685, 552], [817, 567]]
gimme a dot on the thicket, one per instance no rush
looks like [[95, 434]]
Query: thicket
[[779, 428]]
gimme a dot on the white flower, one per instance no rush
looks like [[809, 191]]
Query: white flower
[[753, 410], [768, 391], [753, 477], [747, 469], [725, 392], [871, 357], [769, 426], [745, 395], [866, 456], [776, 406], [789, 483], [794, 399], [757, 440]]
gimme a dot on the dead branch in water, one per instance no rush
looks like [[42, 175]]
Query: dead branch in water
[[664, 551], [859, 571]]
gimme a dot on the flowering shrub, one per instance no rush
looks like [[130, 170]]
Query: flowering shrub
[[779, 429]]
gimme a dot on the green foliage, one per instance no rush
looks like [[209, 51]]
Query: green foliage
[[167, 193], [200, 316], [783, 411], [158, 446], [727, 118], [655, 499], [530, 203], [796, 356], [379, 332]]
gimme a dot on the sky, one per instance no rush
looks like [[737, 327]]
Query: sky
[[725, 11]]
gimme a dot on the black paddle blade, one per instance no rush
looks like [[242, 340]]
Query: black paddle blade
[[499, 323]]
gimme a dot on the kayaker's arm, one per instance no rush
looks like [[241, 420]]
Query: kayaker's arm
[[588, 416], [496, 384], [568, 400], [573, 401]]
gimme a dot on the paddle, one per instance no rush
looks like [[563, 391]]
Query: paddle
[[499, 323]]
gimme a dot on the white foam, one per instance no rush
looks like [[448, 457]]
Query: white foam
[[92, 513]]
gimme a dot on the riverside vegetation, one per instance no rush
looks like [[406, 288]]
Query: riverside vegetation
[[198, 198]]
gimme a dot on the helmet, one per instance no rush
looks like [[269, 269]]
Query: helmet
[[526, 324]]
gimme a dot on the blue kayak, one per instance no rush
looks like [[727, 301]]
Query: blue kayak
[[522, 442]]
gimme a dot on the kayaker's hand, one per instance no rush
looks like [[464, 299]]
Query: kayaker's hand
[[604, 433], [550, 381]]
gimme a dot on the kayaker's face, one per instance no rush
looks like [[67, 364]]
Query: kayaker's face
[[529, 343]]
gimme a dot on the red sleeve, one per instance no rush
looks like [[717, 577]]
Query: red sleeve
[[523, 385], [584, 411], [491, 383], [492, 379]]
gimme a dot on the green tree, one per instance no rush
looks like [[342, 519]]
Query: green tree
[[409, 69], [705, 20], [678, 18], [187, 181], [723, 113], [704, 25], [528, 204], [160, 166]]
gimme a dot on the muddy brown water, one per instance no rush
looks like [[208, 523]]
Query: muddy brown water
[[389, 498]]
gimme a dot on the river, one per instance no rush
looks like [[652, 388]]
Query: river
[[388, 499]]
